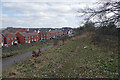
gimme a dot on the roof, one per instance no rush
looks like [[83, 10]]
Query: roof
[[24, 34], [32, 33], [28, 34], [13, 34], [44, 29], [6, 33], [11, 30], [56, 31]]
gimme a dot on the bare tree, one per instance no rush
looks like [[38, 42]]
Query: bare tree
[[109, 11]]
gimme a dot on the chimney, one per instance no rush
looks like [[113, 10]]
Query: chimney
[[38, 31], [49, 30]]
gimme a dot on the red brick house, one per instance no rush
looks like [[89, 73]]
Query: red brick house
[[58, 32], [10, 39], [23, 37], [26, 37], [52, 34], [34, 37], [45, 35], [1, 40]]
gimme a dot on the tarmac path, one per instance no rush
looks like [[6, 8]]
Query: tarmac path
[[20, 57]]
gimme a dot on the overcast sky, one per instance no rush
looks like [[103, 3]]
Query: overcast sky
[[42, 14]]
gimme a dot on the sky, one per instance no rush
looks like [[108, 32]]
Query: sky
[[43, 14]]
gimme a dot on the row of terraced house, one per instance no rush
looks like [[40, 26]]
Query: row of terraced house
[[16, 36]]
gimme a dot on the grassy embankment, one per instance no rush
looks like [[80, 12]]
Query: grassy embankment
[[69, 60], [22, 48]]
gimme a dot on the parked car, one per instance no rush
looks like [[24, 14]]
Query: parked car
[[51, 38]]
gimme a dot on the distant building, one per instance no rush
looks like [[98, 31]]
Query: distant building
[[44, 35], [69, 31], [1, 40], [13, 36], [27, 37], [13, 30], [9, 39]]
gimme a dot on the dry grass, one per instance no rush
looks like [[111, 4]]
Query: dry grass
[[70, 60]]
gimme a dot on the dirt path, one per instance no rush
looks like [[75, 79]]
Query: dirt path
[[21, 57], [61, 65]]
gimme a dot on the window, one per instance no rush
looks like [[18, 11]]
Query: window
[[32, 39], [11, 38], [26, 37], [26, 41], [8, 42], [12, 42], [29, 41], [37, 36], [8, 38], [32, 36]]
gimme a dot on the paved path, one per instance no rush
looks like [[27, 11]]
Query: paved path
[[21, 57]]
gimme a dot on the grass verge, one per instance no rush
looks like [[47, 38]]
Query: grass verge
[[26, 48], [70, 60]]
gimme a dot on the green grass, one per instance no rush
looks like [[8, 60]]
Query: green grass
[[91, 62], [82, 63]]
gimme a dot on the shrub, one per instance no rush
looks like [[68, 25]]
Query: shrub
[[55, 42]]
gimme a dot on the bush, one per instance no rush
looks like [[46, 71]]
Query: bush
[[55, 42]]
